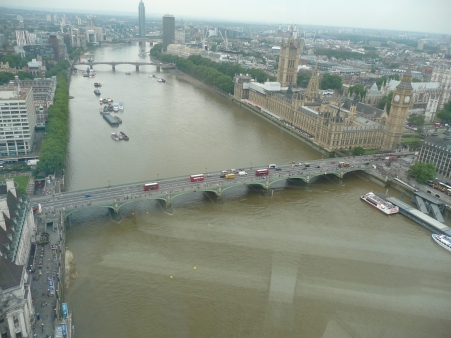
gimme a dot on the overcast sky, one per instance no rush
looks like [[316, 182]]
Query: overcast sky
[[410, 15]]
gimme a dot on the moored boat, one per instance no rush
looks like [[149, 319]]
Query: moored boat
[[121, 106], [101, 110], [105, 100], [161, 80], [110, 101], [128, 73], [125, 137], [442, 240], [115, 136], [97, 84], [96, 91], [118, 119], [379, 203], [115, 107]]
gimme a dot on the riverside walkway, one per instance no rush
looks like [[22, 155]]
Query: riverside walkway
[[115, 197]]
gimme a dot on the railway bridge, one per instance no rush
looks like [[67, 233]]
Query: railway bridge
[[113, 64]]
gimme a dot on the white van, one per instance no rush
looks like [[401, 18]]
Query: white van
[[272, 166], [242, 173]]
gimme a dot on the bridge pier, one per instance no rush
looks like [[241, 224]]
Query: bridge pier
[[158, 68], [116, 207], [219, 194], [168, 201], [114, 67], [137, 68], [90, 66]]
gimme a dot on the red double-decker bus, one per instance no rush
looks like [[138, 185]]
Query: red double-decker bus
[[261, 172], [196, 178], [151, 186]]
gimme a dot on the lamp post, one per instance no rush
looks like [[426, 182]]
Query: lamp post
[[109, 184]]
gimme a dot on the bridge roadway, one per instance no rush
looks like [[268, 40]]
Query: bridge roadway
[[114, 197]]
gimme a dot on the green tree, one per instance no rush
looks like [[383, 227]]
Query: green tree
[[445, 114], [422, 172], [358, 89], [415, 144], [330, 81], [416, 119], [358, 151], [386, 100], [303, 79]]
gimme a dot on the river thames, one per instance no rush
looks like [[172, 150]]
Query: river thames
[[303, 262]]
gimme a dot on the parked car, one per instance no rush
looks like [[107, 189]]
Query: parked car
[[88, 195]]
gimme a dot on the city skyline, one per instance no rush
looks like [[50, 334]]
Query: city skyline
[[404, 15]]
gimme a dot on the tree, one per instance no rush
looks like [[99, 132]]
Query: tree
[[358, 89], [416, 119], [330, 81], [358, 151], [445, 114], [303, 79], [415, 144], [422, 172], [386, 100]]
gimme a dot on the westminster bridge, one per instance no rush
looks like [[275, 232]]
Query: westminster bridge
[[117, 197]]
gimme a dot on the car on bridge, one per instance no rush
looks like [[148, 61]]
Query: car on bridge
[[88, 195]]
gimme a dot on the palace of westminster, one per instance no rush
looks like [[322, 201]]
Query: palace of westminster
[[331, 123]]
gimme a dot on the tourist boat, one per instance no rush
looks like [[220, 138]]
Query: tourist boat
[[118, 119], [109, 100], [105, 100], [379, 203], [101, 110], [442, 240], [110, 107], [106, 109], [125, 137], [96, 91], [121, 106], [97, 84], [128, 73], [115, 107], [115, 136]]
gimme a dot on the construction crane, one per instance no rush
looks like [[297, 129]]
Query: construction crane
[[226, 41]]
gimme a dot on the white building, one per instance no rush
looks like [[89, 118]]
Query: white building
[[17, 229], [17, 120], [182, 51]]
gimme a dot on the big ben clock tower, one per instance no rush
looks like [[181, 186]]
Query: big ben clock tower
[[400, 105]]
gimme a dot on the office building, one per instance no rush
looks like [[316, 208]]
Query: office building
[[168, 31], [142, 20], [436, 149], [17, 120]]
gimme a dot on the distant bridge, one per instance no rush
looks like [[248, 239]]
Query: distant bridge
[[113, 64]]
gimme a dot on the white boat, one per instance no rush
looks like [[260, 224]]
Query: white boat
[[121, 106], [115, 107], [380, 204], [115, 136], [109, 100], [442, 240]]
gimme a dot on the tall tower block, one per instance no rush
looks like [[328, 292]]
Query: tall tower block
[[168, 31], [289, 61], [400, 105], [142, 20]]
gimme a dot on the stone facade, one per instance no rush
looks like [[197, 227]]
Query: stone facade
[[17, 231], [330, 123], [437, 149]]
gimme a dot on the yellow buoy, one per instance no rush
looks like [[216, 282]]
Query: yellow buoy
[[170, 277], [194, 268], [147, 212]]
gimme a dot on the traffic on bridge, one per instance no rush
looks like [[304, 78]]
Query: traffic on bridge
[[161, 189]]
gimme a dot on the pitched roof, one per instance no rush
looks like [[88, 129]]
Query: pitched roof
[[373, 89], [10, 273], [363, 108]]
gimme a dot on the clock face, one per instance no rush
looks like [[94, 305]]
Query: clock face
[[396, 98], [407, 99]]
